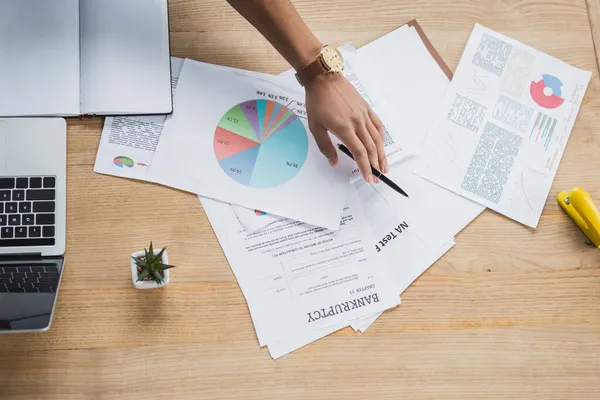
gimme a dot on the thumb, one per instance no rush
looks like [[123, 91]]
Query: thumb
[[324, 142]]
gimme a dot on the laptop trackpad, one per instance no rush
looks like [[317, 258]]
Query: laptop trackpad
[[25, 311]]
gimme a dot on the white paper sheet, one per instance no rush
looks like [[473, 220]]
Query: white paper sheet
[[404, 240], [253, 220], [319, 266], [281, 172], [503, 125], [403, 244], [300, 281], [416, 269]]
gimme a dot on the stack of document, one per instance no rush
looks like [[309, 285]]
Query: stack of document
[[314, 249], [304, 276]]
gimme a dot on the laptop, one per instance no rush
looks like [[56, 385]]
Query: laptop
[[32, 221]]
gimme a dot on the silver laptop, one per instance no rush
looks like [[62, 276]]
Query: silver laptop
[[33, 155]]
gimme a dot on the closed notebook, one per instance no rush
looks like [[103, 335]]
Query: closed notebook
[[73, 57]]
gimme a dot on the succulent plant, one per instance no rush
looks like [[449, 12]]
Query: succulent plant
[[150, 266]]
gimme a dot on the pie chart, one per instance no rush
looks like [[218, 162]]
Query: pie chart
[[123, 162], [547, 91], [260, 144]]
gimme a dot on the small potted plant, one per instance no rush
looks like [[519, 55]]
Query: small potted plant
[[150, 270]]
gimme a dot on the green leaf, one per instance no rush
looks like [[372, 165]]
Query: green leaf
[[165, 267], [160, 254], [158, 277], [151, 251], [143, 274]]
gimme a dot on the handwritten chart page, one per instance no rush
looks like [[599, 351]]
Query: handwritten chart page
[[503, 125]]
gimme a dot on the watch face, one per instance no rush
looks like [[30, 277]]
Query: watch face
[[333, 59]]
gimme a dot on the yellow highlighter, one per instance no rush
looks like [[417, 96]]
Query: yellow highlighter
[[578, 204]]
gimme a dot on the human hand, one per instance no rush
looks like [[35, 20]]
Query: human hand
[[334, 105]]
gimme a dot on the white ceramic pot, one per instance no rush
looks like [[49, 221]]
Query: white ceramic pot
[[149, 284]]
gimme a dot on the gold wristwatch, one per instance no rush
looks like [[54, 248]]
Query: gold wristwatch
[[329, 61]]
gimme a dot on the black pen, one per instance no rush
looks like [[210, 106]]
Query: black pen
[[375, 172]]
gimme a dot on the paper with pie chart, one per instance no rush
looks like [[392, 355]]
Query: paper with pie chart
[[261, 143], [503, 126], [245, 141]]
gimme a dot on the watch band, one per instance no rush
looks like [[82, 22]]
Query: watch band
[[311, 71]]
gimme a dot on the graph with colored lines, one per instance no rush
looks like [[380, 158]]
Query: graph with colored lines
[[260, 144], [543, 129]]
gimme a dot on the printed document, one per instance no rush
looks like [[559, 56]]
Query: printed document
[[503, 125], [403, 240], [404, 246], [244, 141], [302, 280], [426, 260]]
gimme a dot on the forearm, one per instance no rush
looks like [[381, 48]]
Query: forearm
[[279, 22]]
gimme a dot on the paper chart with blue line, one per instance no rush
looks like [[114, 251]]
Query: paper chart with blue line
[[543, 130]]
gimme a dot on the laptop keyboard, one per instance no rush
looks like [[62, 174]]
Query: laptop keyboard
[[40, 278], [27, 211]]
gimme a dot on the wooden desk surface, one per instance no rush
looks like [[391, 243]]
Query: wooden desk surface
[[508, 313]]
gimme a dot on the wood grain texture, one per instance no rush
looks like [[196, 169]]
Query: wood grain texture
[[510, 312], [593, 9]]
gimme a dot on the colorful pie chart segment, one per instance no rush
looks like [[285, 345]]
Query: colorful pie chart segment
[[547, 91], [260, 144], [123, 162]]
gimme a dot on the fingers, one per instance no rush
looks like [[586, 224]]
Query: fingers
[[324, 143], [360, 154], [378, 140], [378, 125], [369, 144]]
